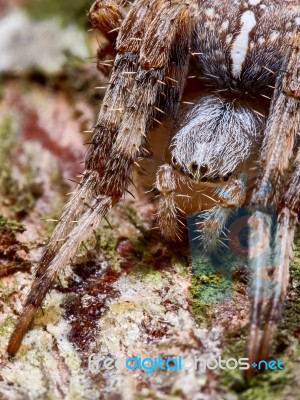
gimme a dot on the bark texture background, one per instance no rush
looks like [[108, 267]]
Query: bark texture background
[[128, 292]]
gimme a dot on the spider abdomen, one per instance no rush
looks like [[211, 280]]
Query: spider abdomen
[[236, 47]]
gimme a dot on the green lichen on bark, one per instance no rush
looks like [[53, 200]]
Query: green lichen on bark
[[59, 9], [10, 226], [283, 384], [17, 192], [291, 316], [211, 282]]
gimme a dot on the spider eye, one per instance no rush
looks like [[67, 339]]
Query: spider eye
[[174, 161], [227, 176], [194, 166], [204, 168]]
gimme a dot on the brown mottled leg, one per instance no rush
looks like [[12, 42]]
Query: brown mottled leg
[[106, 16], [168, 211], [282, 128], [127, 113]]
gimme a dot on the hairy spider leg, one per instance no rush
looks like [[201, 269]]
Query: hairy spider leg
[[124, 134], [168, 210], [103, 136], [282, 128], [107, 16], [172, 204]]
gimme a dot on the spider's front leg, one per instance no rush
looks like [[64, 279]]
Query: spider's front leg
[[176, 199], [179, 196], [151, 63], [168, 209], [276, 190], [106, 16]]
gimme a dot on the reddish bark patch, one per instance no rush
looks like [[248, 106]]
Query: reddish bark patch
[[88, 302], [31, 130], [13, 254]]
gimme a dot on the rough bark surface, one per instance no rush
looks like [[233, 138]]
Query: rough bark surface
[[127, 293]]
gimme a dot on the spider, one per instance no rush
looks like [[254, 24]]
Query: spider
[[224, 77]]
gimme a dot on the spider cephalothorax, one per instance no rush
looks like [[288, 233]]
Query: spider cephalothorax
[[214, 138], [225, 77]]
